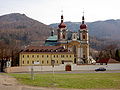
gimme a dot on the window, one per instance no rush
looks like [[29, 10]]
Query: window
[[57, 55], [75, 61], [62, 62], [27, 62], [54, 55], [63, 36], [32, 55], [83, 56], [62, 55], [66, 55], [74, 36], [47, 56], [23, 62], [28, 56], [32, 62], [42, 62], [23, 56], [74, 49], [37, 56], [57, 61], [47, 61], [83, 36], [42, 56], [70, 55]]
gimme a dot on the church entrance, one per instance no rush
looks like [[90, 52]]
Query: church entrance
[[68, 68]]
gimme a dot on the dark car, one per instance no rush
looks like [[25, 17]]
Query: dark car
[[100, 69]]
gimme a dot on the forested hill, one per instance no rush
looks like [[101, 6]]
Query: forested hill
[[108, 29], [20, 29]]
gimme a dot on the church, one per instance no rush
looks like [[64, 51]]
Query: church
[[65, 47], [76, 42]]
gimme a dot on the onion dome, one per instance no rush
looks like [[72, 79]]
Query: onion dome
[[83, 25], [62, 24]]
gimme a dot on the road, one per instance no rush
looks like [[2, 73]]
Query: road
[[110, 71], [84, 71]]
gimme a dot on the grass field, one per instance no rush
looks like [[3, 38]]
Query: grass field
[[82, 80]]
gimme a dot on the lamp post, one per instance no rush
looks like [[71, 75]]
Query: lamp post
[[32, 73], [52, 63]]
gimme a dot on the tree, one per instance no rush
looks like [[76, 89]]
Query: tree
[[117, 55]]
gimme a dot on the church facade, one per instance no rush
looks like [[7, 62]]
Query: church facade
[[76, 42]]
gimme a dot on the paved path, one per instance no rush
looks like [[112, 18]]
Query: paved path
[[10, 83]]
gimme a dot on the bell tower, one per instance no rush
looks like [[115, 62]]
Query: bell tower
[[62, 31], [84, 39]]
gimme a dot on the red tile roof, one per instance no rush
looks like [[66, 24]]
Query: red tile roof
[[113, 61], [47, 52], [45, 49], [107, 60], [103, 60]]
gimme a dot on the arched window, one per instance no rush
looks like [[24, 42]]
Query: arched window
[[74, 49], [83, 56], [23, 62], [27, 62], [32, 55], [83, 36], [37, 56], [63, 36]]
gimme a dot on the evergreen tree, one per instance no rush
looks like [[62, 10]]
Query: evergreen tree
[[117, 55]]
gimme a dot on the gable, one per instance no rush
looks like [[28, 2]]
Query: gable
[[74, 43]]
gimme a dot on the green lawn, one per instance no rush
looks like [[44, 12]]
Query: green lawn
[[81, 80]]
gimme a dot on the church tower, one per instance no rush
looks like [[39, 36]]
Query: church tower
[[84, 39], [62, 31]]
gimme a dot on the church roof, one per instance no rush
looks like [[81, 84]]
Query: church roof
[[52, 38], [51, 41]]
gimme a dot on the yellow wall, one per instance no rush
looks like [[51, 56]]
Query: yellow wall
[[44, 58]]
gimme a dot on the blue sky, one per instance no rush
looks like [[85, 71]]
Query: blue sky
[[49, 11]]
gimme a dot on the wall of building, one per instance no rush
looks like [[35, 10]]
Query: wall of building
[[44, 59], [61, 67]]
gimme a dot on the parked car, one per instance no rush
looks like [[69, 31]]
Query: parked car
[[100, 69]]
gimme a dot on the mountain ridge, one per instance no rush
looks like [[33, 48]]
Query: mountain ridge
[[109, 29], [19, 29]]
